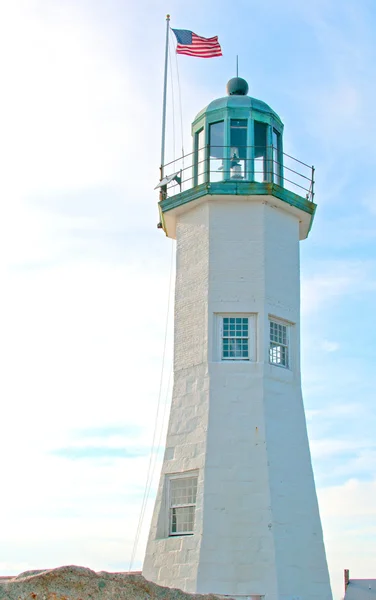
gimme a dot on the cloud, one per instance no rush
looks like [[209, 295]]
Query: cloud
[[357, 500], [332, 280], [106, 431], [370, 202], [336, 412], [14, 568], [348, 514], [99, 452], [330, 346]]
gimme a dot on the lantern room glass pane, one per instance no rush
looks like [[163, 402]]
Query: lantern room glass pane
[[200, 153], [276, 157], [260, 137], [238, 148], [216, 142]]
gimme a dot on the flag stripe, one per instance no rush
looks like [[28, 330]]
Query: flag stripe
[[197, 45], [199, 48], [200, 55]]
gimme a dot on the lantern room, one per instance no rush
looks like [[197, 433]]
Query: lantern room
[[237, 138], [237, 151]]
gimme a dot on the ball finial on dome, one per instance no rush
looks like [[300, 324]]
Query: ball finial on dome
[[237, 87]]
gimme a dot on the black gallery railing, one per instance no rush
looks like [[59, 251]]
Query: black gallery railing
[[248, 164]]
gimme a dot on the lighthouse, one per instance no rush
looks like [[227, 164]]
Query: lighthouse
[[236, 511]]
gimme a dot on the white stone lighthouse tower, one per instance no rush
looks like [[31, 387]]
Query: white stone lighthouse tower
[[236, 512]]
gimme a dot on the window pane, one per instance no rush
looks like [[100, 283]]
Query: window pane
[[216, 141], [200, 146], [260, 136], [235, 338], [238, 151], [278, 349], [183, 490], [278, 332], [276, 157], [182, 520], [279, 355], [235, 347]]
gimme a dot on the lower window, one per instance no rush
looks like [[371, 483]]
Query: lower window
[[182, 504]]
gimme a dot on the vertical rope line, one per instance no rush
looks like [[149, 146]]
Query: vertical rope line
[[167, 390], [165, 409], [150, 473]]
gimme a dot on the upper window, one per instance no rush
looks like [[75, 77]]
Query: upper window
[[279, 344], [182, 504], [236, 337]]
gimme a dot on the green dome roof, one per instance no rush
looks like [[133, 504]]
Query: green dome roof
[[235, 101]]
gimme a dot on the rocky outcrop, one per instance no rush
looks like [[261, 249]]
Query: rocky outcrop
[[79, 583]]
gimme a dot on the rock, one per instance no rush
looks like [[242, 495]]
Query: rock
[[80, 583]]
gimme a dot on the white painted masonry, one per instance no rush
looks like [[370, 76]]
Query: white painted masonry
[[240, 425]]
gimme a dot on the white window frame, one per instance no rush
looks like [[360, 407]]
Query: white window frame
[[171, 507], [278, 344], [251, 337]]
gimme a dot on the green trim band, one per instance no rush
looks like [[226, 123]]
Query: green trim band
[[239, 188]]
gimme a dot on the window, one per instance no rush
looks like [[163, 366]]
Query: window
[[260, 136], [238, 148], [235, 338], [182, 504], [276, 157], [200, 156], [216, 141], [279, 344]]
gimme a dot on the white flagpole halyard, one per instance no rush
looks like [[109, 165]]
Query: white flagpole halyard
[[164, 99]]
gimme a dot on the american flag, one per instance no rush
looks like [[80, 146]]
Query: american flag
[[194, 45]]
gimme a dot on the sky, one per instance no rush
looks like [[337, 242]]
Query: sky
[[85, 273]]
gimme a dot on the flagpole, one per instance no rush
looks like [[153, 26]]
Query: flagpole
[[164, 98]]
